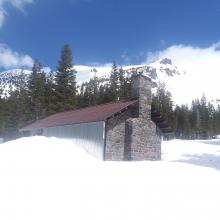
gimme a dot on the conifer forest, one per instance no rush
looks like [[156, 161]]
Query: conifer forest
[[44, 94]]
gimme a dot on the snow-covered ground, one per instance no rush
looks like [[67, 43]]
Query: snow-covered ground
[[46, 178]]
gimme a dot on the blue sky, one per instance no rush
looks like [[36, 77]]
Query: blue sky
[[100, 31]]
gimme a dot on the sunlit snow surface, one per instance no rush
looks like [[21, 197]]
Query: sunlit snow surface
[[45, 179]]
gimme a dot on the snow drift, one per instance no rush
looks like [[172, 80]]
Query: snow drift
[[47, 178]]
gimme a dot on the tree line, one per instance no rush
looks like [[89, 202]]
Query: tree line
[[43, 94], [200, 120]]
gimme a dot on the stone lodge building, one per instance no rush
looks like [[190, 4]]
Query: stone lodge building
[[113, 131]]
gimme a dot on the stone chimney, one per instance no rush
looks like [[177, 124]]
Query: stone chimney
[[141, 139], [141, 90]]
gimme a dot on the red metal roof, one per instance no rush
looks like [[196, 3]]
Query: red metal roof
[[83, 115]]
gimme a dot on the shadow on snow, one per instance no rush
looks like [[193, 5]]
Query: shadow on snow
[[204, 160], [211, 142]]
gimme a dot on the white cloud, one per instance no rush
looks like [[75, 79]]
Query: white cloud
[[12, 59], [18, 4], [2, 17], [202, 66], [125, 56]]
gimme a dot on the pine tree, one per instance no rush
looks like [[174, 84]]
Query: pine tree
[[23, 101], [162, 102], [114, 83], [10, 122], [217, 120], [65, 81], [212, 129], [16, 111], [124, 85], [204, 117], [182, 122], [37, 91], [50, 97], [80, 96], [2, 104]]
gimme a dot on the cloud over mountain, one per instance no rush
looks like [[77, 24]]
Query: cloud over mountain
[[12, 59]]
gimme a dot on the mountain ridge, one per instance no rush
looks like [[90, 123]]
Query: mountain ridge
[[159, 71]]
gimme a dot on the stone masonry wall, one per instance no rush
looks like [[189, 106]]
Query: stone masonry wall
[[115, 136], [141, 141]]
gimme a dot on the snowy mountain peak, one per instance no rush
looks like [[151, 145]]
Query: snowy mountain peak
[[166, 66], [18, 72], [166, 61], [13, 73], [160, 71]]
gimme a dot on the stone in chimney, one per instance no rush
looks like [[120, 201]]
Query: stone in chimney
[[141, 139], [141, 90]]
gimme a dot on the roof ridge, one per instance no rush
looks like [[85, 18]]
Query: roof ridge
[[91, 113], [76, 109]]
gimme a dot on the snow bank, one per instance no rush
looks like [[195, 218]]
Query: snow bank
[[46, 178]]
